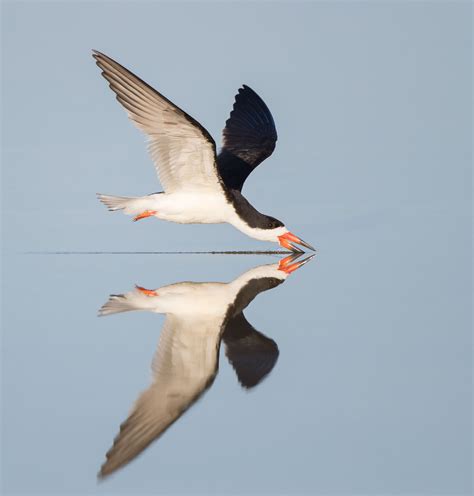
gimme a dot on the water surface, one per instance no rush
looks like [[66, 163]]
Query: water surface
[[370, 389]]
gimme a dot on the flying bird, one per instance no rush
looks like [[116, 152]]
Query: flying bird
[[200, 187], [198, 317]]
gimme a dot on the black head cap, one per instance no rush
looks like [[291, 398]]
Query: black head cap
[[272, 223]]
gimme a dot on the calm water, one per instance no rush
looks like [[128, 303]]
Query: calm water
[[369, 393]]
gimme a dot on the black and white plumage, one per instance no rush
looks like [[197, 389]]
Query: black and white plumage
[[199, 185], [198, 317]]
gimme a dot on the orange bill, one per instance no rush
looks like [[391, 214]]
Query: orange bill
[[289, 263], [288, 239]]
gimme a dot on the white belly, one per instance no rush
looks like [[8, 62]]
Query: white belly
[[206, 207]]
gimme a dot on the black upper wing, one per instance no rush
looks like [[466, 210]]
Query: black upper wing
[[249, 137]]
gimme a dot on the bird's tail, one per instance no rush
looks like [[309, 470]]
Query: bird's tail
[[115, 202], [117, 304], [140, 206], [138, 299]]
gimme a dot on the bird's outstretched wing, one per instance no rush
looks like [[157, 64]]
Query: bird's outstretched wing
[[183, 152], [184, 366], [249, 137], [251, 354]]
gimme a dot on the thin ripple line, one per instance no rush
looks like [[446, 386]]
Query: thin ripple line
[[247, 252]]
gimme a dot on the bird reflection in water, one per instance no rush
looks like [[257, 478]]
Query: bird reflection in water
[[198, 317]]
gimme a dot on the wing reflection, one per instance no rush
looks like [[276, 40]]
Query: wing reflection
[[198, 317], [251, 354]]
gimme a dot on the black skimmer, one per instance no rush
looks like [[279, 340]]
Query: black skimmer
[[198, 317], [199, 186]]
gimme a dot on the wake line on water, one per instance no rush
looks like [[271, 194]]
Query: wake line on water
[[247, 252]]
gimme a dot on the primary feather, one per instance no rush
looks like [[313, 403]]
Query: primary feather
[[183, 152]]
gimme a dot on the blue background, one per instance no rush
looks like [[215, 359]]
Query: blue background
[[372, 390]]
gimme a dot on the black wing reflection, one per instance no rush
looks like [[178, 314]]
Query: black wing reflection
[[251, 354], [185, 364]]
